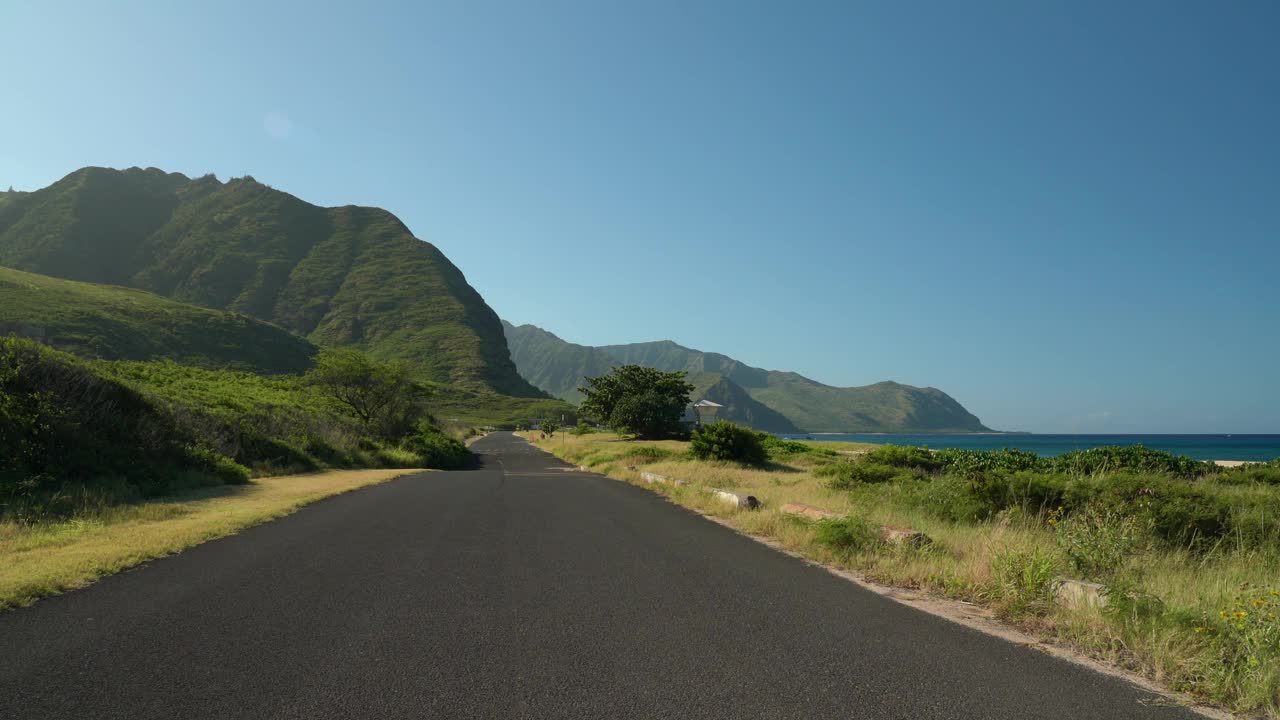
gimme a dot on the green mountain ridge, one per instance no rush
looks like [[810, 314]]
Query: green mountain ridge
[[559, 367], [347, 276], [882, 407], [552, 364], [765, 399]]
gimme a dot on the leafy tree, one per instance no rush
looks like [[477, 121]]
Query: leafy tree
[[549, 427], [637, 400], [382, 397], [583, 428]]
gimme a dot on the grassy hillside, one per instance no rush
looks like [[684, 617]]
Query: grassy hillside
[[116, 323], [78, 433], [347, 276]]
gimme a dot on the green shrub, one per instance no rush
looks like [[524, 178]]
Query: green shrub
[[1098, 539], [846, 475], [904, 456], [846, 534], [952, 498], [583, 428], [1031, 492], [1244, 643], [1260, 474], [779, 449], [1024, 581], [649, 454], [222, 467], [1135, 458], [723, 440], [970, 463], [65, 431], [436, 449], [1180, 514]]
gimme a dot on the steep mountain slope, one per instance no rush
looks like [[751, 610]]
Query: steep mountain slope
[[555, 365], [559, 367], [116, 323], [350, 276], [882, 407]]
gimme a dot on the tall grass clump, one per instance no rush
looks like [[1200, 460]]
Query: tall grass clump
[[846, 534], [847, 475], [1099, 539], [1024, 581]]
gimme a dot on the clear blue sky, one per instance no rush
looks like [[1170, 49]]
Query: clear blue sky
[[1065, 214]]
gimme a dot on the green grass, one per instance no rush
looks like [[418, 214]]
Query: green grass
[[116, 323], [1173, 606]]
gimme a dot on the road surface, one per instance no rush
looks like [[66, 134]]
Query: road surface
[[516, 590]]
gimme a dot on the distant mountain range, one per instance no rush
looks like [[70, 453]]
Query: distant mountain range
[[346, 276], [240, 275], [764, 399]]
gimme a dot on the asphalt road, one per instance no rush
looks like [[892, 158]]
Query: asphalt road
[[514, 591]]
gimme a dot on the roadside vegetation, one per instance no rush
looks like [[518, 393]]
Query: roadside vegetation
[[40, 559], [1186, 554], [78, 436]]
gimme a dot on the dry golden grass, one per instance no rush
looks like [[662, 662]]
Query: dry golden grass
[[45, 559], [958, 564]]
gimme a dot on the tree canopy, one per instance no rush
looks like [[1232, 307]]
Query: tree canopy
[[382, 397], [638, 400]]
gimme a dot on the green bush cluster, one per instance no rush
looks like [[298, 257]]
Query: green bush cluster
[[1253, 474], [1179, 514], [1179, 502], [1098, 539], [723, 440], [846, 534], [977, 462], [1093, 461], [435, 449], [648, 454], [904, 456], [69, 437], [75, 432], [1244, 643], [846, 475], [780, 450]]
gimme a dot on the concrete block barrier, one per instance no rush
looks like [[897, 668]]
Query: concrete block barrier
[[655, 478], [904, 536], [748, 502], [1080, 594]]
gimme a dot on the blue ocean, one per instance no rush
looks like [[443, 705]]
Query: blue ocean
[[1200, 447]]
